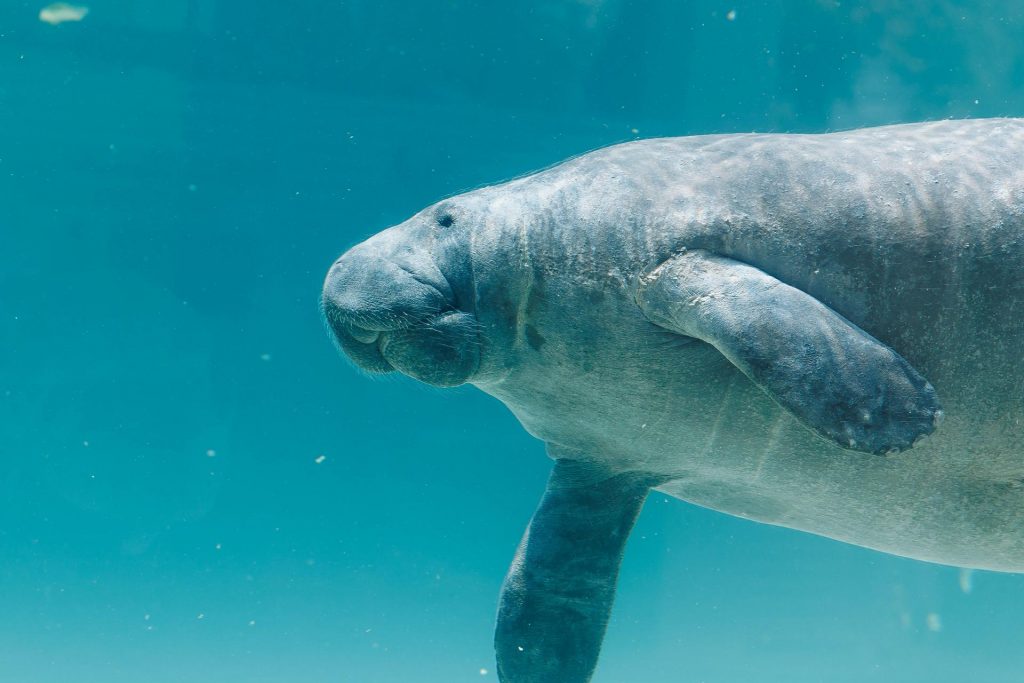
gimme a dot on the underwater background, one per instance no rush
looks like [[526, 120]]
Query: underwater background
[[195, 486]]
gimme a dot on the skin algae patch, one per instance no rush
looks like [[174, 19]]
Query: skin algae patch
[[59, 12]]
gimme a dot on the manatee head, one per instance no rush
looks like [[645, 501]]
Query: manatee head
[[403, 299]]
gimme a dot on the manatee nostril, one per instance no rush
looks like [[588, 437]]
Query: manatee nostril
[[445, 220]]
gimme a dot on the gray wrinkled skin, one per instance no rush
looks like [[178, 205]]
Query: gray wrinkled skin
[[911, 236]]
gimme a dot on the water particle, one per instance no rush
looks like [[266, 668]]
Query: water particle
[[319, 459], [145, 617], [85, 443], [967, 580], [519, 647], [265, 357], [483, 672], [217, 547], [252, 622], [730, 15], [59, 12], [192, 187], [210, 453], [934, 622], [201, 616], [634, 131]]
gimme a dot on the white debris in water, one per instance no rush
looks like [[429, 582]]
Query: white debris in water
[[319, 459], [217, 547], [201, 616], [483, 672], [252, 622], [967, 580], [934, 622], [210, 453], [730, 15], [265, 356], [59, 12]]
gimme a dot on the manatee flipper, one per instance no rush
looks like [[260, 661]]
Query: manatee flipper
[[558, 594], [837, 379]]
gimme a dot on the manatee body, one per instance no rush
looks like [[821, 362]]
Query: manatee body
[[822, 332]]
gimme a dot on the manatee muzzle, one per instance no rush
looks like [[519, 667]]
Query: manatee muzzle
[[387, 317]]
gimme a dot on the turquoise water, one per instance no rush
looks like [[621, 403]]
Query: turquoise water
[[196, 487]]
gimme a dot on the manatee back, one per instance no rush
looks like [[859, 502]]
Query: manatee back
[[914, 232]]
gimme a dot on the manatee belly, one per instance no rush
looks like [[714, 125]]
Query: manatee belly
[[961, 516], [957, 498]]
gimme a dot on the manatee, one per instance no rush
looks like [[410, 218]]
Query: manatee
[[821, 332]]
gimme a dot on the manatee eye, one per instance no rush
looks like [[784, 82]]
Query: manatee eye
[[445, 220]]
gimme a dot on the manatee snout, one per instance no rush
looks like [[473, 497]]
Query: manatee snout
[[377, 295], [388, 314]]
